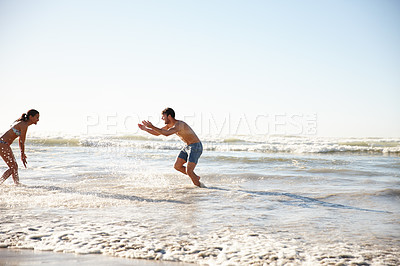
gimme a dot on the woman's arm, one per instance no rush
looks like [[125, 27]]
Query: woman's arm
[[22, 138]]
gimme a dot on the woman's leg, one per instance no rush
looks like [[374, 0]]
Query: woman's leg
[[8, 156], [5, 176]]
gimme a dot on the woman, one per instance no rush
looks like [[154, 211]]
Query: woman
[[18, 130]]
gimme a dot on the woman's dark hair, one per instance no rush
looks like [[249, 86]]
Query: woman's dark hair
[[25, 116], [169, 111]]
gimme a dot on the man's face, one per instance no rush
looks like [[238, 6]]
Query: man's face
[[165, 118]]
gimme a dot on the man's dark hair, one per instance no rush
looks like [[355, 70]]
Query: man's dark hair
[[169, 111]]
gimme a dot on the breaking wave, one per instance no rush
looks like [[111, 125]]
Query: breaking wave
[[259, 144]]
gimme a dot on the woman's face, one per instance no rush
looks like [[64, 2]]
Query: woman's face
[[34, 119]]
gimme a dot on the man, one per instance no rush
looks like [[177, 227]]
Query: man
[[190, 154]]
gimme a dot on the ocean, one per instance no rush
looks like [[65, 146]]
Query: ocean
[[269, 200]]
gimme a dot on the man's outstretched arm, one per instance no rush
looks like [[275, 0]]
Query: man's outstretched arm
[[161, 131], [148, 130]]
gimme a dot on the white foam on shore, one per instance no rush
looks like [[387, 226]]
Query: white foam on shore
[[222, 247], [165, 229]]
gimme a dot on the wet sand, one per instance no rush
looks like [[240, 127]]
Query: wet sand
[[17, 257]]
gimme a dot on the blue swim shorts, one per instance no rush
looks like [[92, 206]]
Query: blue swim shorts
[[193, 151]]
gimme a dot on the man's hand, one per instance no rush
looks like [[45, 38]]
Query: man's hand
[[148, 127], [23, 159], [147, 124]]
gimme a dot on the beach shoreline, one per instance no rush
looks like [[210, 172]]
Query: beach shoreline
[[338, 204], [15, 256]]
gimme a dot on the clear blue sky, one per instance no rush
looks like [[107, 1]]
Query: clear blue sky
[[76, 61]]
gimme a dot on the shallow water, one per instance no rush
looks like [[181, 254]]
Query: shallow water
[[308, 202]]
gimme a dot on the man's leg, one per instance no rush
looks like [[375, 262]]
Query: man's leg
[[179, 165], [190, 172]]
